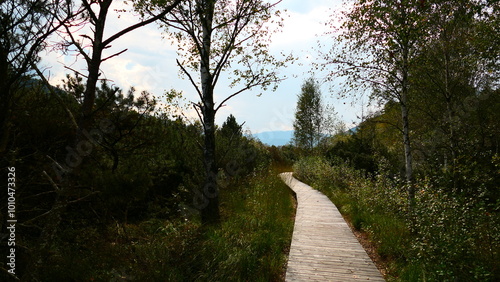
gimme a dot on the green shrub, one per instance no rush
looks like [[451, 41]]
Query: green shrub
[[319, 171], [455, 236]]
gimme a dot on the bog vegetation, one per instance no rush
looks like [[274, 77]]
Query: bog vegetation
[[131, 214], [421, 174], [111, 186]]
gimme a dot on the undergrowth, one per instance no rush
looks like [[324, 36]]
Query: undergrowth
[[448, 237], [251, 244]]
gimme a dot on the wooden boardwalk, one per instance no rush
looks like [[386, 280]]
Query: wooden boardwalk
[[323, 246]]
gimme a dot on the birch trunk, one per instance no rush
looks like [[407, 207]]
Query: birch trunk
[[406, 127], [209, 214]]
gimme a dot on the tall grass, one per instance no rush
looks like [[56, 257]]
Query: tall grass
[[253, 241], [251, 244]]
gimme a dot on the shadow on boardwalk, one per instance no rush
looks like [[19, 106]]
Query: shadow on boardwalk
[[323, 246]]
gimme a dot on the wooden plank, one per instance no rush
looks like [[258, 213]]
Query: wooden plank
[[323, 247]]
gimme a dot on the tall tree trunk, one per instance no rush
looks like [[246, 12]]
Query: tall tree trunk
[[407, 152], [93, 68], [406, 127], [210, 214], [406, 45]]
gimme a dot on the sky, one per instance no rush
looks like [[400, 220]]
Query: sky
[[150, 64]]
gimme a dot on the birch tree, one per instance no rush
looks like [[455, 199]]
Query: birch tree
[[378, 44], [221, 38], [456, 63]]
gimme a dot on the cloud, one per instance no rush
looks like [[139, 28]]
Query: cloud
[[300, 28], [127, 72], [305, 20]]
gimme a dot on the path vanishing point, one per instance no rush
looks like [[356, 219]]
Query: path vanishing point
[[323, 246]]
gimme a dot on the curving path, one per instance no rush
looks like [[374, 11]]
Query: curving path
[[323, 246]]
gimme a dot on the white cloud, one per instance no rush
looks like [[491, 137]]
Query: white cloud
[[300, 28]]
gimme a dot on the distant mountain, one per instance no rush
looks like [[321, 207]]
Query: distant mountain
[[276, 138]]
